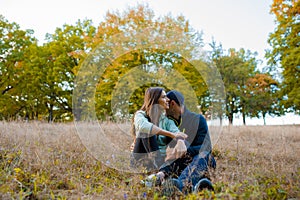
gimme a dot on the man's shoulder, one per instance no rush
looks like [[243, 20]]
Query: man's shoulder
[[193, 119], [191, 114]]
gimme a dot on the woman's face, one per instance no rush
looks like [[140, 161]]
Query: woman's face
[[163, 100]]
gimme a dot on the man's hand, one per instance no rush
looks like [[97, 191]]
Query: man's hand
[[132, 146], [180, 148], [177, 152]]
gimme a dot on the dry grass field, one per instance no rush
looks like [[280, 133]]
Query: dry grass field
[[49, 161]]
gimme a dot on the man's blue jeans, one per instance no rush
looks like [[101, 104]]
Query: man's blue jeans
[[197, 169]]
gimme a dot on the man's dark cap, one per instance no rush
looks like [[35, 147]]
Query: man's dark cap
[[176, 96]]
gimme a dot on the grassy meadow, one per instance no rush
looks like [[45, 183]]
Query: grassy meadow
[[49, 161]]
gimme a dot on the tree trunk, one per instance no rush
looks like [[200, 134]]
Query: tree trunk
[[264, 117], [50, 117], [244, 118], [230, 118]]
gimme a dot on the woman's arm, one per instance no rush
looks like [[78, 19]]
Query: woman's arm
[[142, 125], [158, 131]]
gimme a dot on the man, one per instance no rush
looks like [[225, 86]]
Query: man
[[190, 171]]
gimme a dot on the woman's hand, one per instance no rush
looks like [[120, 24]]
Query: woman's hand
[[180, 135]]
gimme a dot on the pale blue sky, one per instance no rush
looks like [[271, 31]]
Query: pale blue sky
[[234, 23]]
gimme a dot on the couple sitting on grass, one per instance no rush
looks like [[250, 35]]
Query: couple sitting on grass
[[173, 141]]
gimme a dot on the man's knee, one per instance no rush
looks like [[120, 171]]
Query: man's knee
[[206, 157], [212, 162]]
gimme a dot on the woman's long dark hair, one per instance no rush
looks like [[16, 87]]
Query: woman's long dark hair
[[150, 106]]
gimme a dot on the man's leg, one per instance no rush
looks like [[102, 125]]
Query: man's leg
[[175, 168], [193, 177], [196, 170]]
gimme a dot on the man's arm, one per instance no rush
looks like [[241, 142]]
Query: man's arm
[[202, 140]]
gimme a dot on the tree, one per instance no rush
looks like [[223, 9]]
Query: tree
[[30, 87], [62, 55], [137, 42], [235, 67], [285, 51], [262, 96], [13, 44], [249, 70]]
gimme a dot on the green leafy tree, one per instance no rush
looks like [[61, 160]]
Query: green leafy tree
[[30, 87], [63, 53], [125, 33], [249, 70], [13, 43], [286, 50], [235, 67]]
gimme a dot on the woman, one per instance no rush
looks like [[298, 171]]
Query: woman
[[148, 122]]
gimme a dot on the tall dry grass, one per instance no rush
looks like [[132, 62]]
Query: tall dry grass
[[49, 161], [264, 158]]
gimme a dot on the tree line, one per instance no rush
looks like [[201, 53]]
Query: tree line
[[130, 51]]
